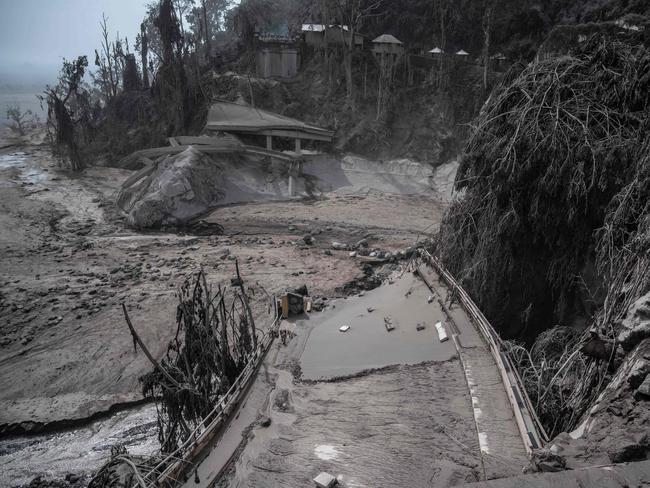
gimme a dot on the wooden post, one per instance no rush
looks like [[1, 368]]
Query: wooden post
[[269, 142], [298, 149], [246, 304]]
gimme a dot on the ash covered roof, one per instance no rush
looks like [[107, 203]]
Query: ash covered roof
[[387, 39]]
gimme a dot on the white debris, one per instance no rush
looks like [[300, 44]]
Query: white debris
[[442, 333], [430, 299], [353, 254], [344, 328], [325, 480]]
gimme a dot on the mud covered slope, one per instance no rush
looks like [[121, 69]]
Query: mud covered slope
[[554, 228], [176, 189]]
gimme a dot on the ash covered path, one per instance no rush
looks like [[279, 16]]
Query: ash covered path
[[372, 407]]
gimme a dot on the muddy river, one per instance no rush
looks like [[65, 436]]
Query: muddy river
[[77, 451]]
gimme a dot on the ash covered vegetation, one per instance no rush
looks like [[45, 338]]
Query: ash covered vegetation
[[551, 226]]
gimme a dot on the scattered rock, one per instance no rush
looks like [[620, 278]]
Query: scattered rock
[[309, 240], [339, 246], [644, 388], [545, 461], [628, 453], [636, 324], [361, 243], [638, 373], [265, 422]]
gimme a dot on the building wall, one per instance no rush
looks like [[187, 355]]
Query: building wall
[[277, 62], [335, 37]]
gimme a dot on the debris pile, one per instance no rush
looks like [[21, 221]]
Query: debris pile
[[214, 341]]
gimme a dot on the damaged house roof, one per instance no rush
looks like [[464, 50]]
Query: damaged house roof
[[232, 117]]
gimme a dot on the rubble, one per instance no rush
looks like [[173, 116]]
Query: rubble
[[325, 480]]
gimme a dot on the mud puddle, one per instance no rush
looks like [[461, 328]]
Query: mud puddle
[[24, 173], [401, 305]]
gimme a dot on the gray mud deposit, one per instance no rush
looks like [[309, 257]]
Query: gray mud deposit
[[176, 189], [393, 428], [394, 409]]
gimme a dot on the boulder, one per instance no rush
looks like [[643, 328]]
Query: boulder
[[180, 188], [636, 324]]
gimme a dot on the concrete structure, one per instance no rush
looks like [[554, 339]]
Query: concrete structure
[[237, 119], [241, 119]]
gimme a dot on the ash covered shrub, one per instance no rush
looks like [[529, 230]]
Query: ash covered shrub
[[550, 152], [556, 181]]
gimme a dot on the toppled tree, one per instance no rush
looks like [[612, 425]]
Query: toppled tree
[[215, 338], [555, 177]]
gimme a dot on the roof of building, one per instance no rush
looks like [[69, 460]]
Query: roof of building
[[313, 27], [232, 117], [462, 53], [322, 27], [387, 39], [436, 50]]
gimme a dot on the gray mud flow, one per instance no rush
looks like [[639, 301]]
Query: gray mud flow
[[79, 450]]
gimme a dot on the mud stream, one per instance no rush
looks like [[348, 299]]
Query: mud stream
[[79, 450]]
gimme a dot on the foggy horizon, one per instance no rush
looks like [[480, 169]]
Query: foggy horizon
[[41, 46]]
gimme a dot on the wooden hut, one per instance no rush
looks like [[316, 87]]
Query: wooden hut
[[387, 45]]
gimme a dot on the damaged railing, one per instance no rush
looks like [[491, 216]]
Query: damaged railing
[[174, 466], [530, 428]]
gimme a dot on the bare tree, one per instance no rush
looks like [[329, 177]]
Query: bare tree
[[61, 99], [144, 55], [105, 62], [20, 120], [208, 43], [488, 10], [352, 14]]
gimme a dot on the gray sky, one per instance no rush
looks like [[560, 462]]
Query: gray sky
[[42, 32]]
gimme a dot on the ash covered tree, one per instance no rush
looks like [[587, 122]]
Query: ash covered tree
[[20, 120], [68, 111]]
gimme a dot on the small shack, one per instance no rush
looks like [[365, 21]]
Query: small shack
[[277, 53], [387, 45]]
